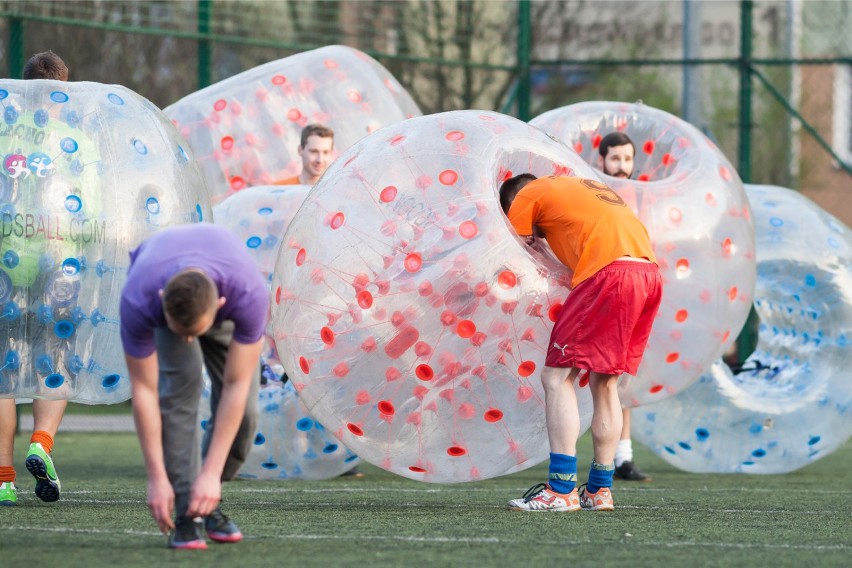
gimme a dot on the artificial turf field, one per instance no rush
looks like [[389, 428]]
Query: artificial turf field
[[798, 519]]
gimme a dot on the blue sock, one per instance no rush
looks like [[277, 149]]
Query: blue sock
[[563, 473], [600, 475]]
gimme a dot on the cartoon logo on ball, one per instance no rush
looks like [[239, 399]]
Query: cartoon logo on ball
[[16, 166], [40, 164]]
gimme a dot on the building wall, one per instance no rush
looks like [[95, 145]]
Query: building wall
[[821, 179]]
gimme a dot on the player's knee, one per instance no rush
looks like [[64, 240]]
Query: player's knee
[[601, 383]]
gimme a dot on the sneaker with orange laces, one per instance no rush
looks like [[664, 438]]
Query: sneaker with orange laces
[[542, 498], [600, 501]]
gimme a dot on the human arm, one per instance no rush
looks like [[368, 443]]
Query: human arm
[[523, 215], [537, 233], [240, 364], [149, 427]]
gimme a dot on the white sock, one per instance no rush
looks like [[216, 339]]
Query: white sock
[[624, 452]]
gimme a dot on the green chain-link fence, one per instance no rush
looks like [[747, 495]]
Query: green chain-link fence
[[747, 73], [769, 81]]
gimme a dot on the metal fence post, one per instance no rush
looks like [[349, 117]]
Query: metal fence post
[[205, 48], [524, 56], [692, 78], [747, 339], [15, 47], [746, 8]]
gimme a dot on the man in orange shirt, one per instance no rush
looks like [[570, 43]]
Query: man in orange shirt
[[316, 149], [602, 329]]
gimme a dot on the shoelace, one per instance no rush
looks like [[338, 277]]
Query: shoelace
[[218, 516], [533, 491], [583, 490]]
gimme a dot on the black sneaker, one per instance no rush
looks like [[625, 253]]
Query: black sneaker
[[354, 473], [187, 534], [627, 471], [220, 528]]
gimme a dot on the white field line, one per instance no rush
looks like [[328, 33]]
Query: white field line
[[290, 503], [449, 540], [461, 489]]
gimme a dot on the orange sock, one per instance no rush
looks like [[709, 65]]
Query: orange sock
[[7, 474], [43, 438]]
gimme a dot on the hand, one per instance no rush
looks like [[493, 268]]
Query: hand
[[205, 495], [161, 502], [530, 240]]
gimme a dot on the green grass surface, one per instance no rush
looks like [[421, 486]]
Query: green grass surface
[[798, 519]]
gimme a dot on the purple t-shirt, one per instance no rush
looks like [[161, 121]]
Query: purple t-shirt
[[216, 251]]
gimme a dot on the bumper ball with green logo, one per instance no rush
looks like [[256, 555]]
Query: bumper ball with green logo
[[88, 172]]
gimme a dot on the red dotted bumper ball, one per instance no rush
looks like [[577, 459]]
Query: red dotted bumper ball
[[245, 130], [790, 403], [443, 362], [89, 171], [693, 204]]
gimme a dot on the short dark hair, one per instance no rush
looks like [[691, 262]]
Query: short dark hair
[[614, 139], [188, 295], [510, 188], [46, 65], [316, 130]]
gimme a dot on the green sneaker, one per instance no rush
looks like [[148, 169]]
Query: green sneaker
[[8, 494], [41, 466]]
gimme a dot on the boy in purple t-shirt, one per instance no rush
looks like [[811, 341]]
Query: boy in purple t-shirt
[[193, 296]]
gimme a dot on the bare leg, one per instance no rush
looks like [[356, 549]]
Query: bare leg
[[606, 420], [563, 429], [47, 414], [625, 424], [560, 404], [8, 422]]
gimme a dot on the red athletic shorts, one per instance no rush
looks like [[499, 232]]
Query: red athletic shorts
[[606, 320]]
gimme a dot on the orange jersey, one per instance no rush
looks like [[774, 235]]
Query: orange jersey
[[289, 181], [585, 223]]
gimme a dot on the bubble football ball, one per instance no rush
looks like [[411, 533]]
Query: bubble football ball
[[259, 216], [412, 320], [790, 405], [245, 130], [289, 444], [89, 171], [693, 204]]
